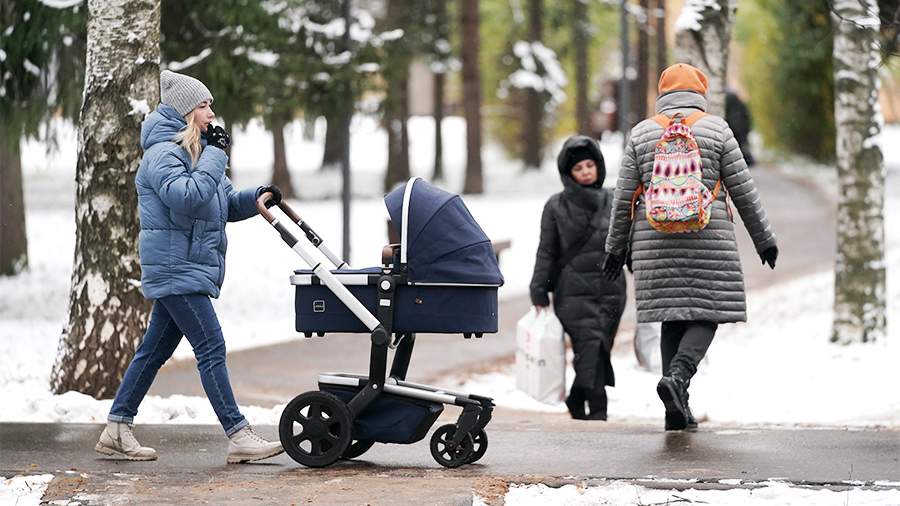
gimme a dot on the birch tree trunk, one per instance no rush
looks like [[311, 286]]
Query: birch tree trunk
[[13, 240], [469, 21], [702, 35], [860, 273], [107, 313]]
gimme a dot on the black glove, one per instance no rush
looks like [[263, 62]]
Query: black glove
[[218, 137], [276, 195], [769, 256], [612, 266]]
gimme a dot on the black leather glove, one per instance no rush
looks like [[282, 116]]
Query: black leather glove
[[612, 266], [218, 137], [769, 256], [276, 195]]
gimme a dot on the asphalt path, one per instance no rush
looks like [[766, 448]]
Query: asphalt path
[[547, 449]]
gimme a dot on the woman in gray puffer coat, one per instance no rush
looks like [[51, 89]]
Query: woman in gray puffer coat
[[573, 231], [692, 282]]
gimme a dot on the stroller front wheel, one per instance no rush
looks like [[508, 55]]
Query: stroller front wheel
[[445, 452], [315, 429]]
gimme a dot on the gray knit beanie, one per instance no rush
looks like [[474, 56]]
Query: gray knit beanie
[[182, 92]]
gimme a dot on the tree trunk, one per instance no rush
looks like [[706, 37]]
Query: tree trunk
[[107, 313], [398, 134], [643, 63], [331, 158], [532, 129], [580, 40], [13, 240], [397, 103], [662, 57], [439, 78], [281, 176], [469, 21], [860, 272], [442, 34], [702, 35]]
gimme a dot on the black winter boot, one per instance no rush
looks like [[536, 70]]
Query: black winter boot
[[672, 390], [597, 404], [691, 421], [575, 403]]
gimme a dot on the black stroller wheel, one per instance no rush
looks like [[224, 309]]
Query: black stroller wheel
[[445, 452], [315, 429], [479, 446], [357, 448]]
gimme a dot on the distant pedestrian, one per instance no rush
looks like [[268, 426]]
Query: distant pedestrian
[[573, 231], [689, 281], [184, 201], [738, 117]]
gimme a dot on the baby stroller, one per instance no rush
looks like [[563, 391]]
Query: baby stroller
[[442, 278]]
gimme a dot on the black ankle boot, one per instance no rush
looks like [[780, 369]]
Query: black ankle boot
[[597, 402], [575, 403], [691, 421], [672, 390]]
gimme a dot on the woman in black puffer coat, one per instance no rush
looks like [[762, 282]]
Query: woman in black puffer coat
[[573, 231]]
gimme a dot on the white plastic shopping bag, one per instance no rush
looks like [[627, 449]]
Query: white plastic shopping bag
[[541, 356]]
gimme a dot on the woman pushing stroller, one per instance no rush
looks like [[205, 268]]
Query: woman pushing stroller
[[184, 201], [574, 225]]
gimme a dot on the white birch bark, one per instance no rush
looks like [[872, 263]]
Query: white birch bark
[[702, 36], [107, 313], [860, 271]]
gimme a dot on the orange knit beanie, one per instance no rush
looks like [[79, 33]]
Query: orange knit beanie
[[682, 76]]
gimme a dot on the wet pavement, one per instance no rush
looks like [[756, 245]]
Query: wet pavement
[[523, 448]]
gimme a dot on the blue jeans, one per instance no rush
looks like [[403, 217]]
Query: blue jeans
[[173, 317]]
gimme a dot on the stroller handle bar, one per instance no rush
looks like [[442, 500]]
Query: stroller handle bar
[[263, 208], [303, 249]]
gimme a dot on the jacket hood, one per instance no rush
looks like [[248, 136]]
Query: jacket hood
[[563, 161], [680, 100], [161, 126]]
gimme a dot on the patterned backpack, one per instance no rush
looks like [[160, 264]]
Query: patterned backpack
[[676, 200]]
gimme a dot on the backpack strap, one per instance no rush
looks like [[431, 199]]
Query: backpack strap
[[664, 121], [637, 193]]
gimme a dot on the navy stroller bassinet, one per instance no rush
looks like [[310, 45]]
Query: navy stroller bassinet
[[450, 269]]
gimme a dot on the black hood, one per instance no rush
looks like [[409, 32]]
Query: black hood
[[564, 160]]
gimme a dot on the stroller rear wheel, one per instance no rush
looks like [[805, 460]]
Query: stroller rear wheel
[[357, 448], [479, 446], [445, 452], [315, 429]]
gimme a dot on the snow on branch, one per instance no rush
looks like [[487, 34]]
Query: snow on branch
[[692, 14], [177, 66], [61, 4], [539, 70]]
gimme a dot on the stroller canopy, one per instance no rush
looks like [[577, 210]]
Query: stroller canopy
[[441, 242]]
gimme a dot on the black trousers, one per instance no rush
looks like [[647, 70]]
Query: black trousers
[[683, 345]]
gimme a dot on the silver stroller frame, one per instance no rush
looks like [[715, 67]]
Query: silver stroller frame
[[327, 422]]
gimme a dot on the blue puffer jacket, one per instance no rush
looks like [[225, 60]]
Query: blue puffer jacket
[[183, 211]]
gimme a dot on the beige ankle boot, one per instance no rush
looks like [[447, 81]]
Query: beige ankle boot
[[247, 446], [117, 440]]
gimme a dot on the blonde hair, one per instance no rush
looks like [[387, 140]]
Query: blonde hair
[[189, 138]]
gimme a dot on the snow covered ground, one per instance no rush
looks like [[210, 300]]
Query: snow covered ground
[[24, 490], [622, 493], [778, 369]]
